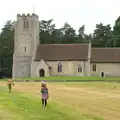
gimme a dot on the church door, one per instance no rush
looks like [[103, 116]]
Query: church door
[[41, 73], [102, 74]]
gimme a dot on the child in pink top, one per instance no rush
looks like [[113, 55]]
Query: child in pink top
[[45, 94]]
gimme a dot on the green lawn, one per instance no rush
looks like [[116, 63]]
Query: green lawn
[[70, 78], [16, 106], [21, 106]]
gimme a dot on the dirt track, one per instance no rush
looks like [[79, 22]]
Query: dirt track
[[83, 99]]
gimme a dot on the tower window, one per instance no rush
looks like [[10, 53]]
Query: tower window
[[25, 24], [24, 49]]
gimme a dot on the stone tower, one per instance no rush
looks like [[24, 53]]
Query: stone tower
[[26, 40]]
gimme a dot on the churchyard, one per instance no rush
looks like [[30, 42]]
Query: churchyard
[[68, 101]]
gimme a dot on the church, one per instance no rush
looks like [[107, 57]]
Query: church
[[32, 59]]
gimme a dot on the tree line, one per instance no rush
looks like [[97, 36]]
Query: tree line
[[102, 36]]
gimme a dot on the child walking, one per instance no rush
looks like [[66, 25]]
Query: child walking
[[45, 94]]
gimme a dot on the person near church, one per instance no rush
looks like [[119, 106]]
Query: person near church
[[9, 84], [45, 94]]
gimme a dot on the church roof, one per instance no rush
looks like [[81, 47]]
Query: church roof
[[105, 55], [64, 52], [51, 52]]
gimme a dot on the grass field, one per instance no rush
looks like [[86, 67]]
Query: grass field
[[68, 101], [70, 78]]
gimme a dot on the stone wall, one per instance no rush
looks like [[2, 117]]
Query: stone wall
[[69, 68], [21, 66], [109, 69]]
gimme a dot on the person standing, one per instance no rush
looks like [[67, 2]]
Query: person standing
[[10, 83], [45, 94]]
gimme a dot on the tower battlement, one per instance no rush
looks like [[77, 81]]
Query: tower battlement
[[27, 15]]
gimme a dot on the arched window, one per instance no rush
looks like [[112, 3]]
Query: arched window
[[94, 68], [79, 68], [24, 24], [24, 49], [27, 25], [59, 67]]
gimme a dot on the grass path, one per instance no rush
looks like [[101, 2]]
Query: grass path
[[78, 101], [20, 106]]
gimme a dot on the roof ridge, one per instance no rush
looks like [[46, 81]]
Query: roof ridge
[[107, 48]]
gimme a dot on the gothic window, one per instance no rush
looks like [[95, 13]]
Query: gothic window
[[79, 68], [25, 24], [59, 67], [24, 49], [94, 68]]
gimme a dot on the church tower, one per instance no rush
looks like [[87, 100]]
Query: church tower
[[26, 39]]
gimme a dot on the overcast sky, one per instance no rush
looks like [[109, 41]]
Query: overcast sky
[[75, 12]]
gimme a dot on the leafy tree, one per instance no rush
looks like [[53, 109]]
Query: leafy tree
[[116, 32], [46, 31], [82, 37], [102, 36], [81, 32], [69, 34], [87, 38], [6, 47], [57, 36]]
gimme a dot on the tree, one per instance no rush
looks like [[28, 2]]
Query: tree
[[46, 31], [82, 37], [57, 36], [87, 38], [116, 32], [102, 36], [81, 32], [69, 34], [6, 47]]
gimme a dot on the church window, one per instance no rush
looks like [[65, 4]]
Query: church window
[[25, 24], [79, 68], [59, 67], [94, 68], [24, 49]]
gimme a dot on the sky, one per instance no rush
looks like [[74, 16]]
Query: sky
[[75, 12]]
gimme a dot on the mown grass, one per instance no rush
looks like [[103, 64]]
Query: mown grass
[[98, 85], [77, 101], [70, 78], [22, 106]]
